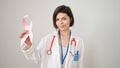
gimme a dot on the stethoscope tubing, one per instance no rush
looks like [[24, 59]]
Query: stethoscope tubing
[[49, 51]]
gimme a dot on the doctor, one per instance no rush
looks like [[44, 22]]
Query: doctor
[[60, 49]]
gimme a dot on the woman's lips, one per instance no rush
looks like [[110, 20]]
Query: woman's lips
[[62, 26]]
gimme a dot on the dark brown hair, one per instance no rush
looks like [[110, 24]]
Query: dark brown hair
[[63, 9]]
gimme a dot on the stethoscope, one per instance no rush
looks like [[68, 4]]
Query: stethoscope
[[49, 52], [73, 41]]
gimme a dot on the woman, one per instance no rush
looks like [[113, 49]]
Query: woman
[[61, 49]]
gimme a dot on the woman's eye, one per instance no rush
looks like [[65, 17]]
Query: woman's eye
[[64, 18], [57, 19]]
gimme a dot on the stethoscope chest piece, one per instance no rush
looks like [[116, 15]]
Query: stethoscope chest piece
[[49, 52]]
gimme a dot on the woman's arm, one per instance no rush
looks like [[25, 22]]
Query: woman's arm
[[30, 51]]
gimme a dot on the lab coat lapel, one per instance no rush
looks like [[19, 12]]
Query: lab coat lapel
[[69, 56], [56, 52]]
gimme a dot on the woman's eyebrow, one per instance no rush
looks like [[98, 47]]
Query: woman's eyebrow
[[61, 17]]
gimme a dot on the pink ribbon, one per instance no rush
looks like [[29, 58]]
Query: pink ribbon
[[27, 27]]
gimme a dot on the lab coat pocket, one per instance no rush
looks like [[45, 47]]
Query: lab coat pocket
[[74, 64]]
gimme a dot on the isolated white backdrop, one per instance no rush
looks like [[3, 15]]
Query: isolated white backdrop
[[97, 22]]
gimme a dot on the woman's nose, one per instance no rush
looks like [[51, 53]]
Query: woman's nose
[[61, 21]]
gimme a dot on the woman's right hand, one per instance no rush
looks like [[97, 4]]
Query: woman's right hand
[[27, 41]]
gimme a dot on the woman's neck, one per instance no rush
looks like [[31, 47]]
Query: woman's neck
[[65, 33]]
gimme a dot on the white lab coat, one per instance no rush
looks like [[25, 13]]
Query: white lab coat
[[39, 54]]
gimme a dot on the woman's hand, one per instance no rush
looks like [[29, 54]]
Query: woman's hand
[[27, 41]]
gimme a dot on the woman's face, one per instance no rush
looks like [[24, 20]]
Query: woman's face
[[63, 21]]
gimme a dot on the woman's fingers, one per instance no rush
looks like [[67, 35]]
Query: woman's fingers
[[27, 41], [24, 33]]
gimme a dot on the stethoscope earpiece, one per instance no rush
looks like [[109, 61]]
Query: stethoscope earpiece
[[71, 53]]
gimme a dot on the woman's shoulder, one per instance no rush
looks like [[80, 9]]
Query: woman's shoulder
[[78, 40], [77, 37]]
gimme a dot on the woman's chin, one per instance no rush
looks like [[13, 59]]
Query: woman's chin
[[63, 29]]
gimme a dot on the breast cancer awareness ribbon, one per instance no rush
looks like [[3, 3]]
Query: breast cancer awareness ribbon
[[28, 27]]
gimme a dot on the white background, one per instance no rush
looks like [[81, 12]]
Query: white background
[[97, 22]]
